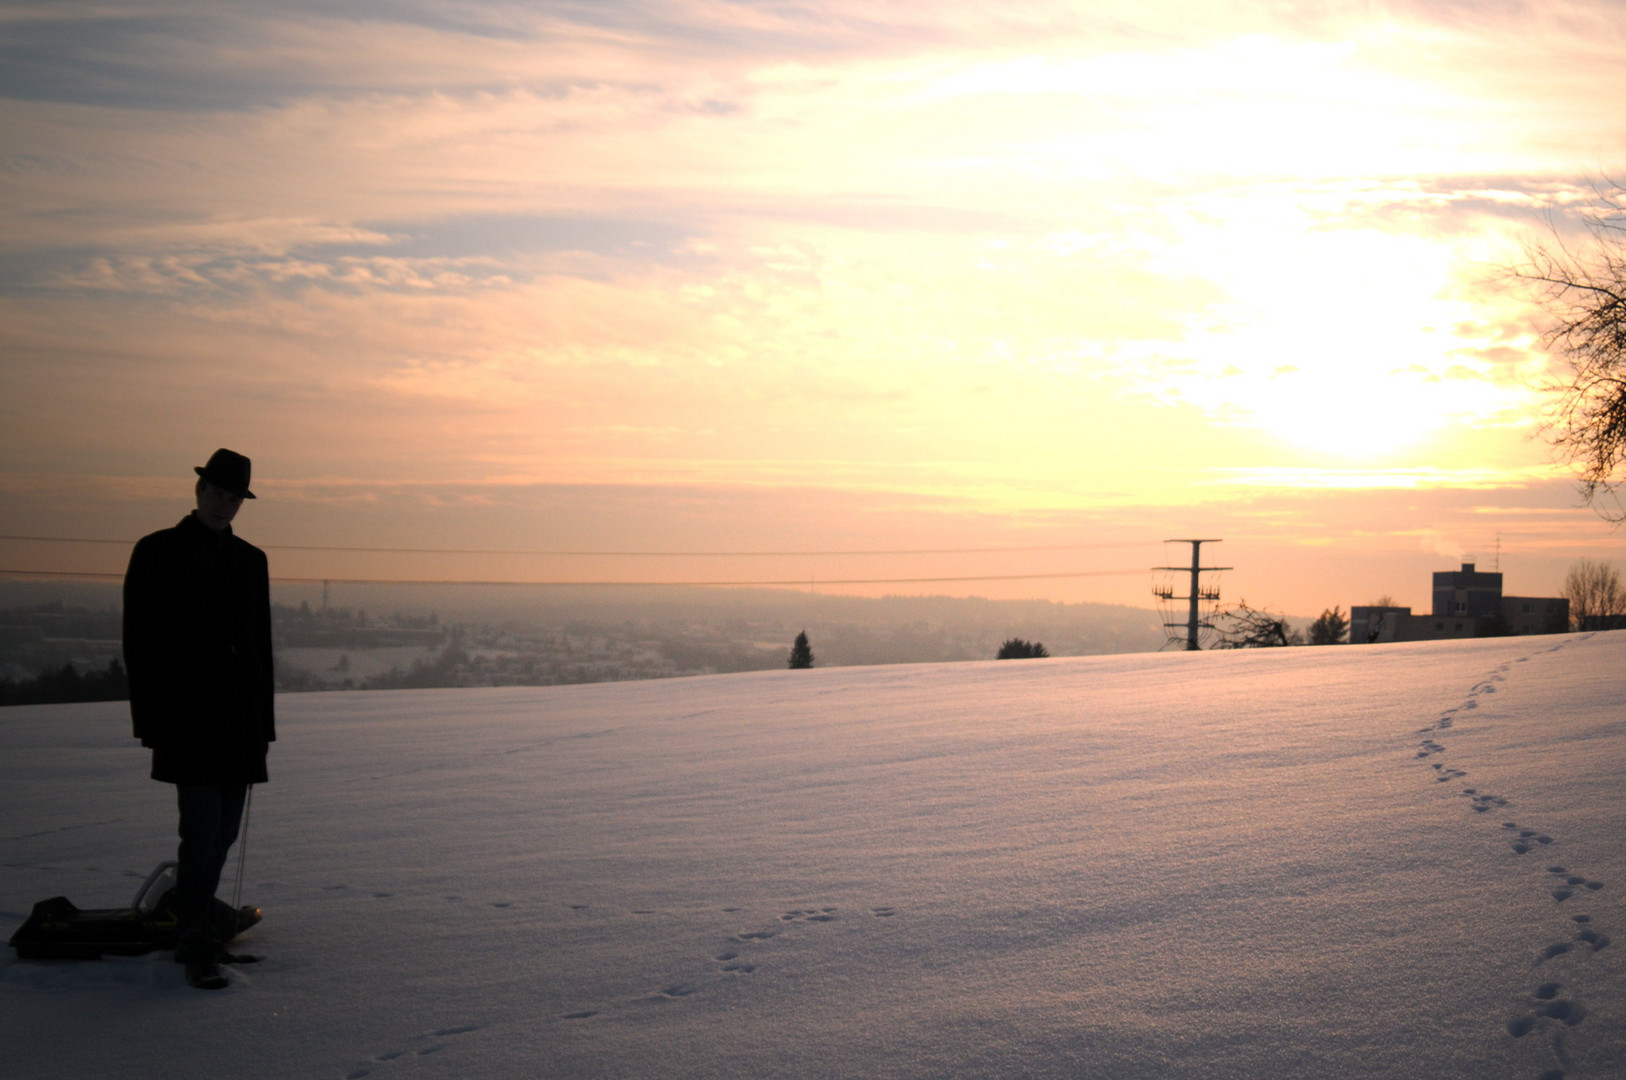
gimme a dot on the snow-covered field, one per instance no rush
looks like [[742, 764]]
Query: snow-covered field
[[1386, 861]]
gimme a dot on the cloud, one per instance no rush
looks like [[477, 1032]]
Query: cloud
[[1038, 260]]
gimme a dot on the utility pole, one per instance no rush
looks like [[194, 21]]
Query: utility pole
[[1195, 596]]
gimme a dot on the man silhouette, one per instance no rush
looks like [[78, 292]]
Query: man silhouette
[[197, 648]]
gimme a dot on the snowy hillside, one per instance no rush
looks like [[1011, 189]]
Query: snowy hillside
[[1389, 861]]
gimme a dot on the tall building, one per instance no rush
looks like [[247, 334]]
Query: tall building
[[1467, 603], [1467, 593]]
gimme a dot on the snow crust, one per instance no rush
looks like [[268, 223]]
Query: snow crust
[[1385, 861]]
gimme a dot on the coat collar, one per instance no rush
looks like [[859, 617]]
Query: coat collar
[[202, 532]]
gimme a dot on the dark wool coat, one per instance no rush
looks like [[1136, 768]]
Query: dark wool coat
[[197, 648]]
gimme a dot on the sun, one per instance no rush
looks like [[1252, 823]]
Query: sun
[[1331, 338]]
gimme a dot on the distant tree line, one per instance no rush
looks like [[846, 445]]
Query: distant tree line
[[1594, 592], [445, 670], [66, 684]]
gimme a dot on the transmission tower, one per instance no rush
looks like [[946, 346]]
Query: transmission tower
[[1196, 596]]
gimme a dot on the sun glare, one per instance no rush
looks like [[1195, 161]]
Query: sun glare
[[1332, 339]]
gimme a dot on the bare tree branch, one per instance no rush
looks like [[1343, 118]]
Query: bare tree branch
[[1593, 589], [1585, 294], [1243, 627]]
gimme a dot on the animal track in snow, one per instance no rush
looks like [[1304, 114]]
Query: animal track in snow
[[677, 990], [1547, 1003], [1483, 802], [428, 1043], [1521, 843], [1593, 940], [820, 915], [1569, 883], [1483, 798], [1585, 939], [1549, 1007], [730, 962]]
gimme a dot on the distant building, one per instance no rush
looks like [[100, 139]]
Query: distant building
[[1467, 603]]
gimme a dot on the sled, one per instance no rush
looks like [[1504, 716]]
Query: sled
[[58, 930]]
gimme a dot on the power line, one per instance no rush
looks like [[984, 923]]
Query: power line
[[793, 583], [619, 554]]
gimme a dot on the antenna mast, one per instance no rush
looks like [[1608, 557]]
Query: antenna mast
[[1195, 596]]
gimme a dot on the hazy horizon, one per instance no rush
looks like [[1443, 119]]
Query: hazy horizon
[[920, 299]]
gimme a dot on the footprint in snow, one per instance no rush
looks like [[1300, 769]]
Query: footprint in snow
[[429, 1043], [1592, 939], [1570, 883], [812, 915], [1569, 1013], [1588, 936], [1523, 842], [1482, 802], [1547, 1004]]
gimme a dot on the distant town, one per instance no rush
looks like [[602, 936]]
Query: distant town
[[61, 641], [573, 636]]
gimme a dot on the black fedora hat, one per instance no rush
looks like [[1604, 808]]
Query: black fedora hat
[[227, 470]]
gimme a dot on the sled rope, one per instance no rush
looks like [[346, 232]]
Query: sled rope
[[242, 850]]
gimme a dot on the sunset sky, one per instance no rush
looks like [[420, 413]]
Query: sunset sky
[[978, 289]]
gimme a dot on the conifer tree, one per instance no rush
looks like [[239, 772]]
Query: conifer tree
[[1330, 628]]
